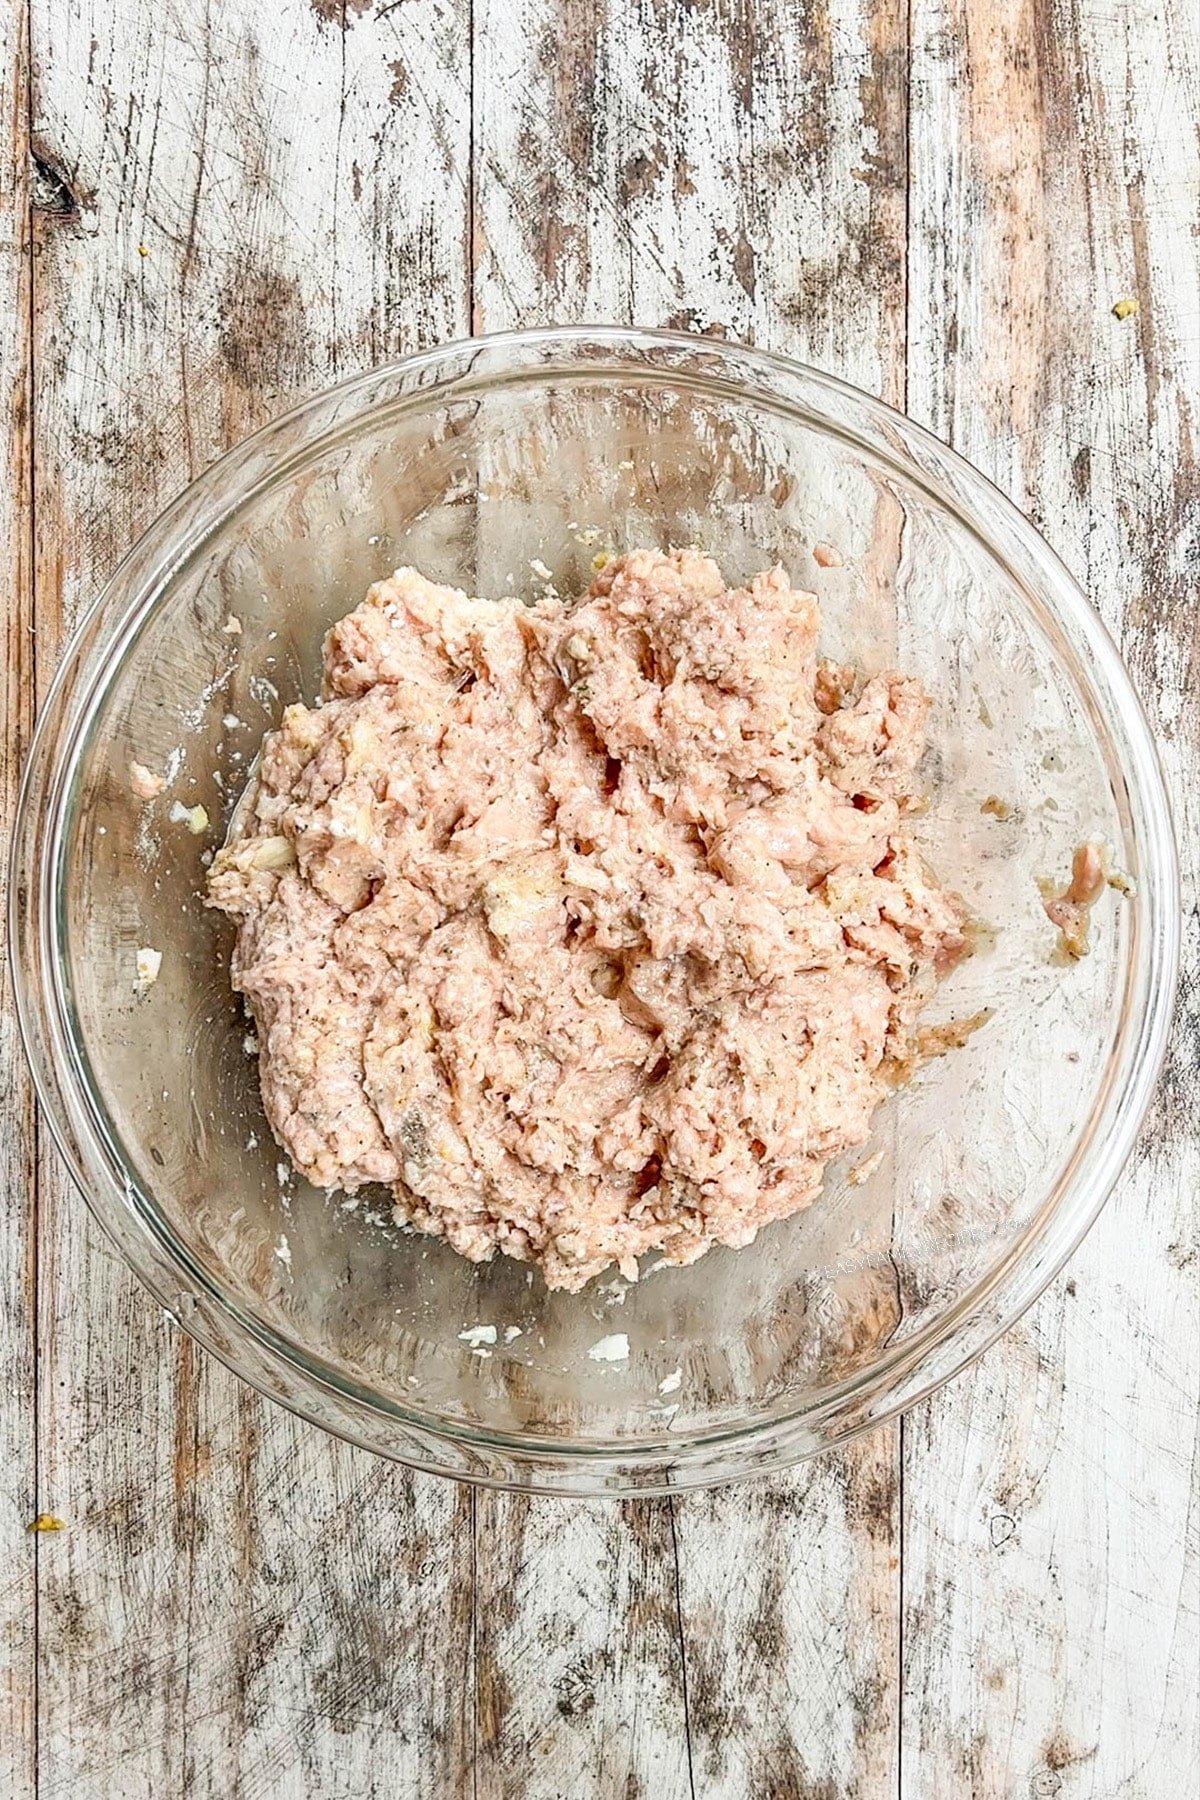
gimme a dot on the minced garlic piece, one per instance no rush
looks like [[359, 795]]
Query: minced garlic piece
[[273, 853]]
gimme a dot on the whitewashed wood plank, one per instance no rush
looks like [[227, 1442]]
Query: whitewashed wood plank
[[19, 1550], [578, 1679], [674, 165], [702, 168], [1050, 1555], [252, 202], [703, 276], [791, 1594]]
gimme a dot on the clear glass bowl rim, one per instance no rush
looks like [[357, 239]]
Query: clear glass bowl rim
[[282, 1369]]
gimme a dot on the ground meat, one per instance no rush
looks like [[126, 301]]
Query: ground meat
[[590, 928], [1071, 910]]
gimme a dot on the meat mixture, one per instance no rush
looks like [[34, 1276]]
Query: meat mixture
[[591, 927], [1071, 910]]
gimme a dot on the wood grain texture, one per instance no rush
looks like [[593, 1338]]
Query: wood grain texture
[[678, 165], [239, 205], [19, 1550], [229, 205], [1051, 1583], [579, 1683]]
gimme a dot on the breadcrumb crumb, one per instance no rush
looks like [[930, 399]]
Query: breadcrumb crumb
[[144, 783], [149, 962]]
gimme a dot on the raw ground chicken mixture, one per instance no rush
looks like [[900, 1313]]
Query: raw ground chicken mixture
[[591, 928]]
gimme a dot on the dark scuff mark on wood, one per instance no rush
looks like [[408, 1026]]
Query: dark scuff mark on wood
[[681, 1638], [641, 175], [341, 13], [688, 319], [575, 1688], [1081, 471], [1173, 1109], [1059, 1753], [56, 191], [187, 1435], [261, 330]]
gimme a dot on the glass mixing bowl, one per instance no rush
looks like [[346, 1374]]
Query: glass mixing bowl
[[479, 464]]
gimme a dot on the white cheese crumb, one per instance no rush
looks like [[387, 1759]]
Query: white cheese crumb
[[232, 626], [231, 721], [282, 1174], [149, 962], [252, 1141], [511, 1333], [670, 1383], [540, 570], [283, 1251], [614, 1348], [475, 1335]]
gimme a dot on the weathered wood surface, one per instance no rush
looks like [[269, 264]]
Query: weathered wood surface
[[646, 136], [228, 205], [235, 206], [1050, 1562], [18, 1557]]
